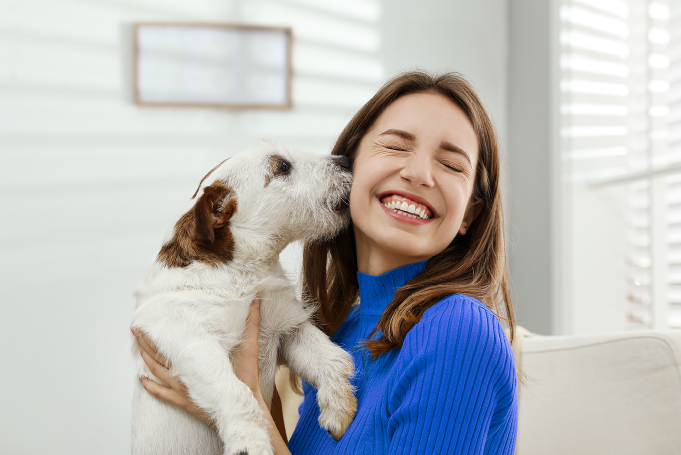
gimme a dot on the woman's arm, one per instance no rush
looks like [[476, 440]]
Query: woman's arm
[[455, 391], [245, 364]]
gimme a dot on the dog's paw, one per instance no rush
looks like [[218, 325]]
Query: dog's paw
[[338, 408], [256, 446], [253, 451]]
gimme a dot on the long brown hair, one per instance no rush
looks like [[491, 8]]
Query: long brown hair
[[473, 264]]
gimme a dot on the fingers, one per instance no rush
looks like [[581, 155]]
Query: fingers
[[162, 372], [162, 392], [245, 356], [249, 348], [175, 392], [156, 362], [181, 400], [253, 324], [149, 346]]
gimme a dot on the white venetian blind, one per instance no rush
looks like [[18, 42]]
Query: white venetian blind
[[617, 117], [673, 199]]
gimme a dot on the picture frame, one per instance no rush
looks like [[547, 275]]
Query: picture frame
[[212, 65]]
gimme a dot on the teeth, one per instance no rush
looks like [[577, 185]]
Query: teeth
[[407, 210]]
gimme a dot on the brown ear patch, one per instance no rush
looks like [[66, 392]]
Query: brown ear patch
[[206, 176], [275, 162], [203, 234]]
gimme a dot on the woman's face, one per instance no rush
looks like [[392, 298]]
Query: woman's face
[[413, 179]]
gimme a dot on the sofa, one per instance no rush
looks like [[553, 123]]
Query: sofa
[[616, 393]]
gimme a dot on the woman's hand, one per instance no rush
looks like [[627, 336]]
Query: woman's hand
[[245, 357], [175, 392], [245, 363]]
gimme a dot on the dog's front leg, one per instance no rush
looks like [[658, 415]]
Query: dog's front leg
[[213, 386], [310, 354]]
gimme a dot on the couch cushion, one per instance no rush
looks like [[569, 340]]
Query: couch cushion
[[606, 394]]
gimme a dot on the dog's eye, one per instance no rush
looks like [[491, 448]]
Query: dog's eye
[[284, 168]]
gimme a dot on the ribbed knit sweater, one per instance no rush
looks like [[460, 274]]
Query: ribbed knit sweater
[[451, 388]]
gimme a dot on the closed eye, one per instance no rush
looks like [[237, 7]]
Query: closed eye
[[392, 145], [452, 167]]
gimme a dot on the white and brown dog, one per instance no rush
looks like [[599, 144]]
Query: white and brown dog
[[195, 298]]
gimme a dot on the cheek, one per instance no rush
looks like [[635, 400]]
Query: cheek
[[361, 186], [455, 204], [363, 182], [358, 203], [354, 195]]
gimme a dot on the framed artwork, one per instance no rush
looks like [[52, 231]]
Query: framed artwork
[[215, 65]]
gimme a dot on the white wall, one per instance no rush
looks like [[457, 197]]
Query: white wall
[[468, 37], [533, 157], [89, 182]]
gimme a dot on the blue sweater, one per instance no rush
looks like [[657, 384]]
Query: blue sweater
[[451, 388]]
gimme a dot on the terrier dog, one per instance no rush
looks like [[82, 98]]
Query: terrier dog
[[194, 302]]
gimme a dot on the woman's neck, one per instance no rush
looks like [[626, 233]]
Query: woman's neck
[[374, 260]]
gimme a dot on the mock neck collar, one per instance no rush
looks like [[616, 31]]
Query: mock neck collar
[[377, 291]]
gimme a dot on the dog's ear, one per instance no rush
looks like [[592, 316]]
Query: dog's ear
[[213, 210]]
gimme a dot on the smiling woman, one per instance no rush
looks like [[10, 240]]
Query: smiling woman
[[415, 154], [418, 299], [415, 289], [445, 155]]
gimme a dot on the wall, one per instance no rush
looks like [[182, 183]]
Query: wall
[[569, 257], [89, 182], [468, 37], [531, 162]]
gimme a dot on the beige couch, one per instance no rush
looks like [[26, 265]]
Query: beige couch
[[602, 394]]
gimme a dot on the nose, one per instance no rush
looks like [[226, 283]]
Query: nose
[[344, 162], [418, 170]]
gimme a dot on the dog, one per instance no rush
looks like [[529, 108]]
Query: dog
[[195, 298]]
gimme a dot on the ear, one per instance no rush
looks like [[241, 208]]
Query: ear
[[472, 211], [213, 210]]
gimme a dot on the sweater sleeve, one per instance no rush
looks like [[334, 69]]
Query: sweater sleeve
[[455, 390]]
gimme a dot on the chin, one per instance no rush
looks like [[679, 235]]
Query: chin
[[399, 248]]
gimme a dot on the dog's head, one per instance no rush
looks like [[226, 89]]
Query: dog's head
[[257, 202]]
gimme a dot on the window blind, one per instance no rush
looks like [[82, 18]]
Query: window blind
[[673, 182], [621, 125]]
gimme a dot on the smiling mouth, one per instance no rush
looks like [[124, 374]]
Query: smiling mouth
[[406, 207]]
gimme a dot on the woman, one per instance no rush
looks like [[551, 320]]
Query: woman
[[425, 258]]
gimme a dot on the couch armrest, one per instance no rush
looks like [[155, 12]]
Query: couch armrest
[[605, 394]]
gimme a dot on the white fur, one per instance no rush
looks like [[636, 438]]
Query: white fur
[[197, 315]]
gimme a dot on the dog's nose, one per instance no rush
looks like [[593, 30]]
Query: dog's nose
[[344, 162]]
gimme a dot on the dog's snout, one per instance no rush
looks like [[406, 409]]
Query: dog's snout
[[344, 162]]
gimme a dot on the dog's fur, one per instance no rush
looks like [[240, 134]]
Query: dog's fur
[[194, 303]]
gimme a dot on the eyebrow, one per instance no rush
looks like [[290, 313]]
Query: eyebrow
[[401, 133], [444, 145]]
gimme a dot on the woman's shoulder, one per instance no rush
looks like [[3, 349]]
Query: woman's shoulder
[[460, 311], [457, 324]]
